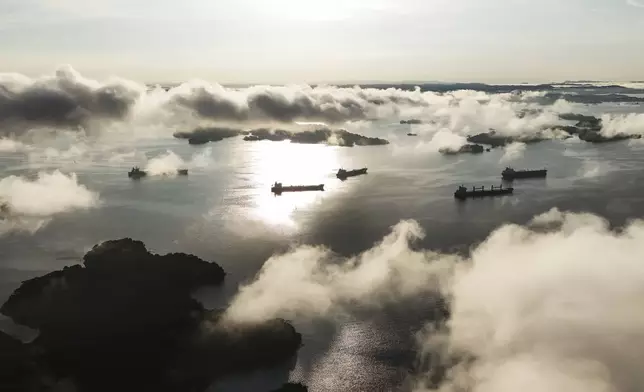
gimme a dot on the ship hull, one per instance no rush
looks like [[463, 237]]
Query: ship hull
[[303, 188], [525, 174], [483, 193], [136, 176], [351, 173]]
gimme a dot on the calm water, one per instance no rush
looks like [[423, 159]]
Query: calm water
[[224, 212]]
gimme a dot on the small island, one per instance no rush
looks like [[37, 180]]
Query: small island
[[124, 319], [206, 135], [319, 136], [466, 149], [588, 129]]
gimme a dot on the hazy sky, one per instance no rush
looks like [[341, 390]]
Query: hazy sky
[[326, 40]]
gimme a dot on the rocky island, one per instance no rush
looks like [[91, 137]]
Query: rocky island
[[206, 135], [494, 139], [319, 136], [125, 320], [466, 149], [588, 129]]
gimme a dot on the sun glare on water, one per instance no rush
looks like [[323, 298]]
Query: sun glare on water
[[290, 164]]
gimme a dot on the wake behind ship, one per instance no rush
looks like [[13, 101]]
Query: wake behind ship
[[278, 188]]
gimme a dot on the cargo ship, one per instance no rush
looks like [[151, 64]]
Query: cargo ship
[[278, 188], [182, 172], [511, 174], [463, 193], [344, 174]]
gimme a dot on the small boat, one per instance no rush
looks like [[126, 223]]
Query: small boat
[[344, 174], [278, 188], [182, 172], [412, 134], [463, 193], [136, 173], [511, 174]]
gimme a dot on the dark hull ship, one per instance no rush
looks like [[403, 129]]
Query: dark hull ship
[[136, 173], [344, 174], [463, 193], [278, 188], [511, 174]]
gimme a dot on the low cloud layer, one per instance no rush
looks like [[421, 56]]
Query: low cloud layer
[[445, 140], [10, 145], [68, 100], [312, 282], [46, 195], [64, 99], [512, 152], [117, 110], [552, 306], [29, 204], [168, 163]]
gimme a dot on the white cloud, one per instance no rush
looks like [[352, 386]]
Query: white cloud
[[46, 195], [553, 306], [513, 151], [165, 164], [10, 145], [168, 163], [30, 204], [310, 282]]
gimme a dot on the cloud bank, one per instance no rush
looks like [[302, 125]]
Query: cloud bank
[[48, 194], [553, 305], [28, 204], [68, 100], [118, 109], [513, 151], [65, 99], [167, 164], [312, 282]]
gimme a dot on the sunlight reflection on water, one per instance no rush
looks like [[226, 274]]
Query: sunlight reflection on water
[[291, 165]]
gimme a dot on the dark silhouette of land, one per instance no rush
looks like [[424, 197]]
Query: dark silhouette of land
[[125, 320]]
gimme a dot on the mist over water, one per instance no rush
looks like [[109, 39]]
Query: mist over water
[[362, 267]]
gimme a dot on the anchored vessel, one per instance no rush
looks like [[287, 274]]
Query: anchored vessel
[[463, 193], [510, 174], [136, 173], [278, 188], [344, 174]]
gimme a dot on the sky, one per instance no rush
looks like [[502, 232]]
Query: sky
[[313, 41]]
